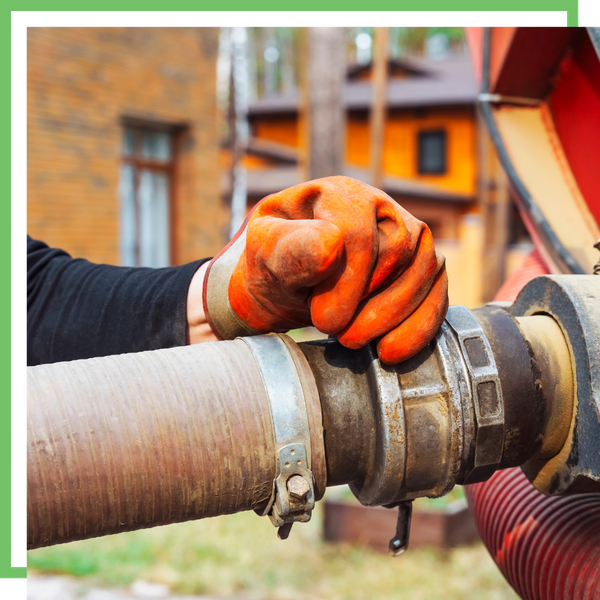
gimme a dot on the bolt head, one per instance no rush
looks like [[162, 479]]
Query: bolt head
[[298, 487]]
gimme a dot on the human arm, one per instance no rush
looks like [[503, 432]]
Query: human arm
[[77, 309], [334, 253], [199, 330]]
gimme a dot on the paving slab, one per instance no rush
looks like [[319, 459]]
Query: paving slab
[[60, 587]]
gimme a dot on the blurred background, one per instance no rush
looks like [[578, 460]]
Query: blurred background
[[147, 146]]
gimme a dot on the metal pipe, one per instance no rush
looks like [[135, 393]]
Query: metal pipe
[[453, 432]]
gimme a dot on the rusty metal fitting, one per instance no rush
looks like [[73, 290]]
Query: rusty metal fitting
[[486, 394], [568, 369], [472, 402], [485, 389], [395, 433]]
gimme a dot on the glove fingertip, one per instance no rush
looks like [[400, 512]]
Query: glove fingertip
[[353, 342], [326, 316], [413, 334]]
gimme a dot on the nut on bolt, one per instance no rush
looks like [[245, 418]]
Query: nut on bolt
[[298, 487]]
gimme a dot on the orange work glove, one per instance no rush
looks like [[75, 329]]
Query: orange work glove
[[335, 253]]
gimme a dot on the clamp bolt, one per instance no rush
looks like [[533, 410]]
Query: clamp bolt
[[298, 487]]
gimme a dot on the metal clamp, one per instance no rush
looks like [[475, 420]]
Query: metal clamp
[[485, 385], [293, 495]]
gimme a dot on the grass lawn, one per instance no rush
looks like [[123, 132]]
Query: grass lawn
[[239, 556]]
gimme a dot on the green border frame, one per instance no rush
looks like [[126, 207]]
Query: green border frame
[[570, 8], [6, 571]]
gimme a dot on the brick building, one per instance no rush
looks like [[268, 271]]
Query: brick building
[[123, 143]]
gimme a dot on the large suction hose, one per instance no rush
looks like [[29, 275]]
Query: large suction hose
[[138, 440]]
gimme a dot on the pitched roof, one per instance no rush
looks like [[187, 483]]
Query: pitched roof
[[262, 182], [450, 81], [396, 66]]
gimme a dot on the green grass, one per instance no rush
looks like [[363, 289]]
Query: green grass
[[240, 557]]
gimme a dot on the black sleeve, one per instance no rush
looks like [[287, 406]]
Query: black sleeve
[[77, 309]]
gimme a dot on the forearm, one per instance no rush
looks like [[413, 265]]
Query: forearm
[[78, 309]]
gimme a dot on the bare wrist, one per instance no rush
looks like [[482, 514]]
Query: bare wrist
[[198, 328]]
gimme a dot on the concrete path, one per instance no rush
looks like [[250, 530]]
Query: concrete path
[[56, 587]]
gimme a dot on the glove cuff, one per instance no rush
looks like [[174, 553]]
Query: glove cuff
[[220, 315]]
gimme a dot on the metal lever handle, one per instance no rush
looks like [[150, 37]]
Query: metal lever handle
[[399, 543]]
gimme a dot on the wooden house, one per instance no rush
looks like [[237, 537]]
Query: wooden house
[[433, 147]]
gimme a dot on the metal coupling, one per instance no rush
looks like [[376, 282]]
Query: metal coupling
[[572, 304], [416, 428], [472, 402], [395, 433], [485, 389]]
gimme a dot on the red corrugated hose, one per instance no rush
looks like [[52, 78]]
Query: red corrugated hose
[[548, 548]]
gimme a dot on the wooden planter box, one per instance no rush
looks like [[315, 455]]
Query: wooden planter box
[[375, 526]]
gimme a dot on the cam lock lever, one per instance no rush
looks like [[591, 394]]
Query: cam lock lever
[[399, 543]]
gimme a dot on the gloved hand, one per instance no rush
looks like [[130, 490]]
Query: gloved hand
[[335, 253]]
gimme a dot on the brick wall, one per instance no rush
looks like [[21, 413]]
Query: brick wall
[[81, 82]]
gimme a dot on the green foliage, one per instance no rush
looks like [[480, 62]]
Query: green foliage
[[411, 41], [452, 33], [282, 75]]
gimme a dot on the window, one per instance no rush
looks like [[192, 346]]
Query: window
[[432, 152], [145, 183]]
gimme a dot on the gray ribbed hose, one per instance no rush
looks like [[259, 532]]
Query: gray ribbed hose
[[138, 440]]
